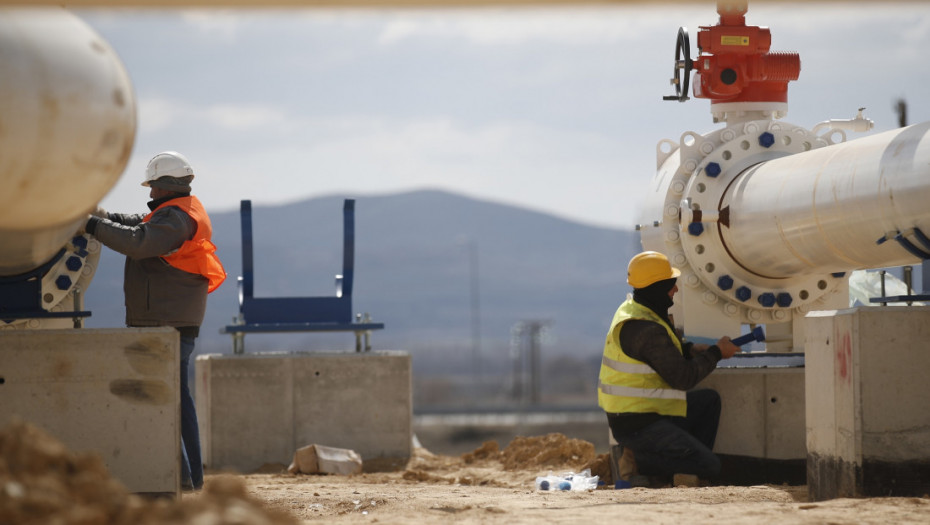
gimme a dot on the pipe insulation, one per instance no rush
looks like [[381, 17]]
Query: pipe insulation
[[849, 206], [67, 126]]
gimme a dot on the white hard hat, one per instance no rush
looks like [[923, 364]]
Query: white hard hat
[[167, 164]]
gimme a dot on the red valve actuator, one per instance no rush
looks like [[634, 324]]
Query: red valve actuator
[[735, 64]]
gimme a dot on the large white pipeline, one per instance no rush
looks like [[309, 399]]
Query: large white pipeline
[[67, 126], [833, 209], [767, 219]]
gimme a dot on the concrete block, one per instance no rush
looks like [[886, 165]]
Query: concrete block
[[868, 429], [110, 391], [762, 414], [260, 408]]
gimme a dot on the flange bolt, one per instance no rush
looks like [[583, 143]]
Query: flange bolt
[[784, 299], [743, 293], [766, 140], [725, 282]]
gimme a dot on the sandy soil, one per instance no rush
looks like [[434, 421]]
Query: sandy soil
[[41, 482], [443, 488]]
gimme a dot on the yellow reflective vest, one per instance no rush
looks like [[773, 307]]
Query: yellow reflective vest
[[628, 385]]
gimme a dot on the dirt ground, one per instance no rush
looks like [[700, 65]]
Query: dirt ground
[[41, 483]]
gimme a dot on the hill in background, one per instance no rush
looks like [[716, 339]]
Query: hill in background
[[414, 267]]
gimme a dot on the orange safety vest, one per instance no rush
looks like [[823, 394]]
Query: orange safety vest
[[197, 255]]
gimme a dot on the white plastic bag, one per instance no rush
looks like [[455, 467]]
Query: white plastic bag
[[568, 481]]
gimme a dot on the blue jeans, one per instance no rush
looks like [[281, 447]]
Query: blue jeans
[[191, 462], [680, 445]]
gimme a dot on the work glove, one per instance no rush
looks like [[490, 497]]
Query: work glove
[[90, 226]]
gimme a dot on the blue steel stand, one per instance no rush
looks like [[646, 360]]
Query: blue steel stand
[[299, 314], [21, 295]]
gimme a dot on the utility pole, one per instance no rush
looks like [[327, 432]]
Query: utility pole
[[526, 339], [475, 309]]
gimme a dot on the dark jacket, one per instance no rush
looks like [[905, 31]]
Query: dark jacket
[[157, 294], [650, 343]]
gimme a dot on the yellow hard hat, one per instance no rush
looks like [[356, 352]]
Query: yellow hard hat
[[649, 267]]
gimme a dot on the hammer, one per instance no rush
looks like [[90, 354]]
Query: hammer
[[756, 335]]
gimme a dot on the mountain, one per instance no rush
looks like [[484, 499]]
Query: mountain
[[413, 272]]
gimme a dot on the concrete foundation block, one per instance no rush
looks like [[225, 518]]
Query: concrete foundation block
[[255, 409], [762, 414], [868, 427], [110, 391]]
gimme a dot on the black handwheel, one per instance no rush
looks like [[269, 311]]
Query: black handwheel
[[681, 75]]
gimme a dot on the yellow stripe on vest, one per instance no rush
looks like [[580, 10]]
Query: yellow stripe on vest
[[628, 368], [651, 393]]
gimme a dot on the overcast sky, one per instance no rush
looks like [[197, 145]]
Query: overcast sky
[[554, 109]]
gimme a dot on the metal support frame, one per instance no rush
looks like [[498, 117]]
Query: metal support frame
[[21, 296], [299, 314], [909, 298]]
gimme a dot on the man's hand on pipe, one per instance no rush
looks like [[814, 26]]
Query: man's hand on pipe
[[727, 348]]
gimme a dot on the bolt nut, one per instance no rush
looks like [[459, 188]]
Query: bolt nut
[[712, 169], [63, 282], [766, 140], [79, 242], [784, 299], [767, 299], [74, 263], [725, 282], [696, 228], [743, 293]]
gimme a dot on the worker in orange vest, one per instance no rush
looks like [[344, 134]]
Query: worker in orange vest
[[171, 266]]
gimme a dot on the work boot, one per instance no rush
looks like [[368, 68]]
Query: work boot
[[627, 465], [685, 480], [623, 468]]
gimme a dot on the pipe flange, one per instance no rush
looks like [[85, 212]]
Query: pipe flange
[[73, 271], [707, 253]]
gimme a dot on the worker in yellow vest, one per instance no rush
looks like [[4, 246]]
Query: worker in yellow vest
[[664, 428]]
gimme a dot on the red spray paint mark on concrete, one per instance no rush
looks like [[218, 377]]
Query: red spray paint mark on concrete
[[844, 357]]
